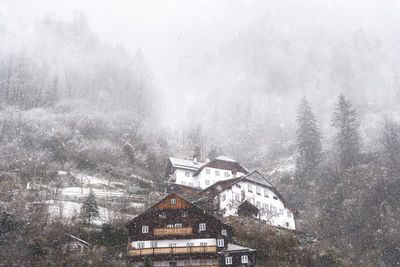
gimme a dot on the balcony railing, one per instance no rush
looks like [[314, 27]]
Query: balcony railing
[[172, 250], [173, 231]]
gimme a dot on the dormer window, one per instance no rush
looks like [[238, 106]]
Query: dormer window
[[216, 172], [173, 201]]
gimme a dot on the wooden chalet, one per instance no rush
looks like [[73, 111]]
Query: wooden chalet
[[176, 232]]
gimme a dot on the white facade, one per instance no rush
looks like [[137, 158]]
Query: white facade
[[209, 176], [271, 209]]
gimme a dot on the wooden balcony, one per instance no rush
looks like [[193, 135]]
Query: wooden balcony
[[173, 231], [171, 250]]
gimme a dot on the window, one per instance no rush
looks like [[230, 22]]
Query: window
[[170, 226], [207, 182], [266, 193], [258, 190], [153, 244], [265, 207], [237, 197], [173, 264], [220, 242], [140, 245], [227, 174], [178, 225], [184, 214], [173, 201], [245, 259], [190, 184], [287, 224], [289, 214], [187, 174], [203, 244], [145, 229], [250, 188], [274, 209], [163, 215], [172, 245], [275, 197], [216, 172], [281, 211], [238, 186], [203, 263], [189, 244], [208, 171], [202, 227], [258, 204], [228, 260], [183, 182], [223, 197], [223, 232]]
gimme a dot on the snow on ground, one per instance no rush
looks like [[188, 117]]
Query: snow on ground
[[68, 210], [92, 180], [77, 192]]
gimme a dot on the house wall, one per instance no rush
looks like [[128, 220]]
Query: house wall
[[271, 214], [181, 178], [206, 179]]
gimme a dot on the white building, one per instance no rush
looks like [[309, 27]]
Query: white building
[[203, 174], [226, 198]]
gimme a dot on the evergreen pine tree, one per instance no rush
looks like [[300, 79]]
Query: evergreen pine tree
[[147, 262], [89, 209], [390, 139], [308, 139], [347, 137]]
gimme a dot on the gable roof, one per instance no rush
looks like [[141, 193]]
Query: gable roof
[[164, 204], [223, 163], [185, 163]]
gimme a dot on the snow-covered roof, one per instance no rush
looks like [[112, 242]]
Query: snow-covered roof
[[234, 247], [225, 158], [255, 176], [186, 163]]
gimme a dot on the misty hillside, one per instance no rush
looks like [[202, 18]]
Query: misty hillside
[[307, 93]]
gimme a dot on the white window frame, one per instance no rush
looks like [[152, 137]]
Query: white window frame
[[203, 244], [202, 227], [258, 190], [223, 197], [258, 204], [244, 259], [140, 245], [289, 214], [190, 244], [170, 226], [153, 244], [221, 243], [145, 229], [227, 174], [187, 174], [207, 182], [163, 214], [250, 188], [223, 232], [173, 201], [172, 245], [208, 171], [217, 173], [184, 214], [228, 260], [266, 193], [237, 197], [178, 225], [281, 211]]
